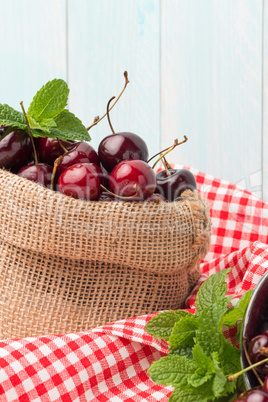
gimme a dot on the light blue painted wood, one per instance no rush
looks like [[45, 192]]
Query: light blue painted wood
[[195, 68], [212, 85], [33, 47], [265, 101], [106, 38]]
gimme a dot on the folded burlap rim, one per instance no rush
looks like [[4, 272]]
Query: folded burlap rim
[[154, 236]]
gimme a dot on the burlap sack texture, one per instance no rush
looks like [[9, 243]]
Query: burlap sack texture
[[69, 265]]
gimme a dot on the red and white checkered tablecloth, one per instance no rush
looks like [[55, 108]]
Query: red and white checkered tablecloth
[[110, 363]]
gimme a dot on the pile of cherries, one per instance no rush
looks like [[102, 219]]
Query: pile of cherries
[[118, 171], [257, 352]]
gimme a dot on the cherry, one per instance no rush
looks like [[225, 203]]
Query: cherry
[[105, 177], [173, 182], [255, 356], [15, 148], [80, 152], [82, 181], [40, 173], [50, 149], [257, 395], [121, 146], [265, 384], [133, 178]]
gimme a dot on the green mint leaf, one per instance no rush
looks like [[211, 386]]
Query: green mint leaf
[[49, 101], [34, 125], [200, 357], [69, 127], [183, 332], [161, 325], [229, 356], [209, 333], [237, 312], [202, 360], [172, 370], [182, 352], [205, 371], [48, 123], [220, 380], [220, 386], [12, 117], [40, 133], [213, 289], [199, 378], [186, 395]]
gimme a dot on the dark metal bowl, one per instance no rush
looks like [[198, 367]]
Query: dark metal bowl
[[255, 323]]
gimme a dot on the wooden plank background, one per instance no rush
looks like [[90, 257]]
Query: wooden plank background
[[196, 67]]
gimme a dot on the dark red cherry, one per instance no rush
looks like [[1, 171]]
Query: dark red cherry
[[50, 149], [40, 173], [15, 149], [133, 178], [82, 181], [257, 395], [80, 152], [121, 146], [255, 344], [172, 186], [105, 177], [265, 384]]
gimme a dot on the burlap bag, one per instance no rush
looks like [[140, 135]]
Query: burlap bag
[[68, 265]]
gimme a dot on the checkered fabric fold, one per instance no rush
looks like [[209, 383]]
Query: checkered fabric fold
[[110, 363]]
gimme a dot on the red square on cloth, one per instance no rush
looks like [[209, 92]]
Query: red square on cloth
[[110, 363]]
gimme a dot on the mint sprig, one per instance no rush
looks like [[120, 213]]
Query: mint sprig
[[12, 117], [200, 359], [49, 101], [47, 114]]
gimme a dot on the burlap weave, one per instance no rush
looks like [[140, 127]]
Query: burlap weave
[[68, 265]]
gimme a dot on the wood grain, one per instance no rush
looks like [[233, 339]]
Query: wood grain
[[211, 85], [196, 67], [105, 38], [265, 102], [33, 47]]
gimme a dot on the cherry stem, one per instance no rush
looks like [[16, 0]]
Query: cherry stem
[[108, 115], [233, 377], [56, 164], [30, 132], [158, 153], [122, 196], [166, 163], [163, 154], [98, 119], [249, 361], [62, 146], [166, 166]]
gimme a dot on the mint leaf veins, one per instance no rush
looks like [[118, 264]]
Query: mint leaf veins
[[47, 114], [200, 358]]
